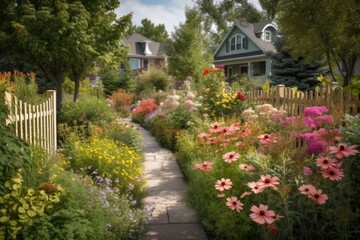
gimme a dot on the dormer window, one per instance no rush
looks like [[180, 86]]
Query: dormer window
[[267, 36], [237, 42]]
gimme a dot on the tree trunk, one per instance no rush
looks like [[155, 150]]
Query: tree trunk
[[77, 87]]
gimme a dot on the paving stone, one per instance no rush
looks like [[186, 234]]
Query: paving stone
[[152, 166], [165, 196], [158, 215], [165, 184], [170, 165], [175, 232], [163, 174], [181, 213]]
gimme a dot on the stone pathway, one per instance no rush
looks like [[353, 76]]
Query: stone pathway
[[172, 218]]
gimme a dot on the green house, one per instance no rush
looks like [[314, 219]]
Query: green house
[[246, 49]]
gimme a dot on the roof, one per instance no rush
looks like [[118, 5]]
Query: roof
[[259, 27], [136, 43]]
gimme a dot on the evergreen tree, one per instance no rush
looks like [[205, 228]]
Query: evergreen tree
[[293, 72]]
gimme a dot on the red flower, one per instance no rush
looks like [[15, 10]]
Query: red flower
[[240, 96], [206, 72]]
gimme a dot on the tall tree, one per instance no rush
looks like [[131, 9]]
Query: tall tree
[[270, 7], [149, 30], [61, 37], [188, 50], [324, 28], [294, 72], [222, 14]]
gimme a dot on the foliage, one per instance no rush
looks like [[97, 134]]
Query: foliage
[[14, 154], [90, 110], [108, 159], [352, 130], [69, 86], [333, 34], [124, 134], [242, 82], [148, 29], [111, 79], [153, 79], [188, 50], [63, 37], [220, 100], [121, 98], [142, 109], [26, 88], [286, 151], [354, 87], [21, 204], [294, 72], [270, 7]]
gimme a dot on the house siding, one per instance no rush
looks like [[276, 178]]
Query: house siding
[[252, 47]]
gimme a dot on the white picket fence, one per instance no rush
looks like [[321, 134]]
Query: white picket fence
[[35, 124]]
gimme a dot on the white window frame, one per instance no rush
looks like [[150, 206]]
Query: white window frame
[[267, 36], [238, 42]]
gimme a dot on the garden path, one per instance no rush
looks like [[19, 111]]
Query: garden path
[[171, 218]]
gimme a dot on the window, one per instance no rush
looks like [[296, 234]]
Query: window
[[268, 36], [237, 42], [258, 68], [135, 63]]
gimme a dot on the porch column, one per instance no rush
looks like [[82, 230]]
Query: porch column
[[249, 69]]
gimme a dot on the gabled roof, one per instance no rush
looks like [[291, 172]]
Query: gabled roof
[[136, 43], [250, 29]]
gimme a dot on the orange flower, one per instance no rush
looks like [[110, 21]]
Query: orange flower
[[206, 72], [99, 131]]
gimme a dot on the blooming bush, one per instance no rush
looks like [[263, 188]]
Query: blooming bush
[[142, 109], [256, 183], [121, 100]]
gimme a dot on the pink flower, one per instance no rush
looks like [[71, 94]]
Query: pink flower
[[308, 171], [266, 138], [244, 133], [245, 194], [325, 162], [223, 184], [268, 181], [188, 103], [262, 215], [205, 166], [247, 167], [204, 135], [332, 174], [255, 187], [306, 189], [222, 195], [318, 197], [343, 150], [231, 157], [215, 127], [239, 144], [234, 204]]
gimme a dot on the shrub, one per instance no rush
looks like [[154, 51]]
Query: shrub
[[91, 110], [154, 80], [142, 109], [26, 88], [122, 101]]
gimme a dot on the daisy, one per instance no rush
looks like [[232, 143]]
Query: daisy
[[240, 144], [223, 184], [262, 215], [343, 150], [234, 204], [247, 167], [306, 189], [255, 187], [318, 197], [204, 135], [268, 181], [215, 127], [231, 157], [205, 166], [332, 174], [325, 162], [244, 133], [266, 138], [245, 194]]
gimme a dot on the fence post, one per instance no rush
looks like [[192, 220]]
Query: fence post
[[53, 125], [8, 102], [279, 94]]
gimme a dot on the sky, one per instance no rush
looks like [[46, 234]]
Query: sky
[[167, 12]]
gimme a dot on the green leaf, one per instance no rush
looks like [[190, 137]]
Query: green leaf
[[4, 219]]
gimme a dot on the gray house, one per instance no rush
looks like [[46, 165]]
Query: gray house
[[245, 50], [144, 53]]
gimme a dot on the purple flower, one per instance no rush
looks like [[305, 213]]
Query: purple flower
[[315, 147]]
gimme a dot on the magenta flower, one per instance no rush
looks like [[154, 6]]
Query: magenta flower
[[223, 184], [343, 150], [262, 215], [231, 157], [234, 204], [332, 174], [308, 171]]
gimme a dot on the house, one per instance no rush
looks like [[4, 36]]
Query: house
[[245, 50], [144, 53]]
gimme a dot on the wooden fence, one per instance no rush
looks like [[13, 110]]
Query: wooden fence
[[35, 124], [293, 102]]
